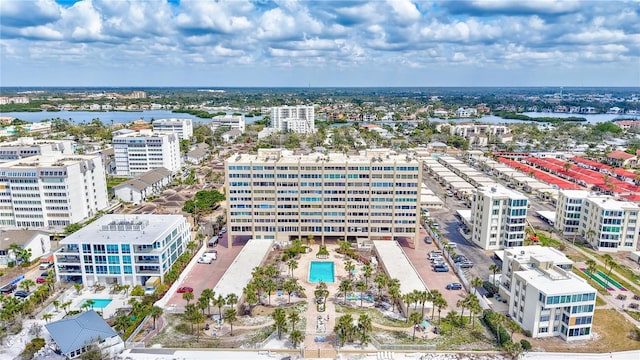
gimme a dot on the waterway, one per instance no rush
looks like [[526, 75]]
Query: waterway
[[119, 117], [107, 117]]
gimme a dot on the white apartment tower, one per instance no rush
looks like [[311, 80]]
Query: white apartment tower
[[139, 152], [123, 249], [182, 127], [278, 195], [27, 146], [51, 191], [498, 215], [298, 119], [232, 121], [544, 296], [605, 223]]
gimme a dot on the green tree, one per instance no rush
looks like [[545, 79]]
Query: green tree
[[155, 312], [231, 316], [296, 338], [209, 294], [294, 318], [591, 267], [280, 319], [476, 282], [122, 323], [27, 284], [344, 287], [188, 296], [220, 302], [440, 303], [362, 287], [365, 325], [292, 264], [609, 262], [232, 300], [494, 268], [381, 280], [47, 317], [414, 319]]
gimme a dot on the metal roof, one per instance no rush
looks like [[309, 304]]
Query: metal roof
[[79, 330]]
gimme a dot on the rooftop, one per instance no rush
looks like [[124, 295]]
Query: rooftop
[[77, 331], [20, 237], [398, 266], [48, 160], [609, 203], [499, 190], [279, 156], [141, 229], [541, 253], [557, 283]]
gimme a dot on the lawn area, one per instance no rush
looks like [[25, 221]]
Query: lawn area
[[602, 291], [376, 316], [114, 181], [611, 333]]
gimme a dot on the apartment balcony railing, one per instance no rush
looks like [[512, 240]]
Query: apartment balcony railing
[[69, 250], [68, 259], [152, 261], [62, 270], [148, 271], [144, 250]]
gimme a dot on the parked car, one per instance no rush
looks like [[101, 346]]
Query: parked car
[[21, 294], [441, 268], [427, 240], [460, 258], [466, 264], [44, 274], [452, 245], [185, 289], [41, 280], [205, 260], [8, 289], [454, 286]]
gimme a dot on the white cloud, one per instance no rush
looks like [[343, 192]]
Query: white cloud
[[405, 10]]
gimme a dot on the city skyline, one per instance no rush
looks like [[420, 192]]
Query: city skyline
[[318, 44]]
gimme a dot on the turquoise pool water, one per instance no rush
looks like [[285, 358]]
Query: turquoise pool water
[[321, 271], [99, 303]]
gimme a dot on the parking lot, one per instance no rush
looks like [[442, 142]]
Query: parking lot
[[206, 276]]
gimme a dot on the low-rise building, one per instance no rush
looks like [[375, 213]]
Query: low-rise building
[[544, 296], [38, 243], [182, 127], [231, 121], [140, 188], [197, 156], [123, 249], [74, 335], [621, 158], [231, 135]]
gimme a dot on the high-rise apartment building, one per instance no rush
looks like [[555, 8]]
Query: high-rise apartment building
[[498, 215], [123, 249], [298, 119], [27, 146], [279, 195], [182, 127], [544, 296], [51, 191], [605, 223], [139, 152]]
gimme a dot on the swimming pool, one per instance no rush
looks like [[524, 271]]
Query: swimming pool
[[321, 271], [98, 303]]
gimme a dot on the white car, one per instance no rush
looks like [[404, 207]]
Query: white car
[[205, 260]]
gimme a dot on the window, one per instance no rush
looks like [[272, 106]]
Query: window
[[113, 259], [112, 249], [126, 248], [114, 270], [543, 330], [128, 269]]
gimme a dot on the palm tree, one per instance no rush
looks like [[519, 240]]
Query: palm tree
[[296, 338], [65, 307], [188, 296], [362, 287], [220, 302], [232, 300], [209, 294], [365, 324], [280, 319], [27, 284], [231, 316], [294, 318], [440, 303], [433, 295], [494, 268], [344, 328], [47, 317], [474, 308], [122, 323], [610, 263], [499, 320], [344, 287], [394, 293], [292, 264], [512, 326], [56, 303], [202, 303], [349, 267], [155, 312], [78, 288], [476, 283], [290, 286], [270, 286], [191, 313], [344, 248], [414, 319], [367, 271], [422, 297], [381, 280], [592, 267], [462, 304]]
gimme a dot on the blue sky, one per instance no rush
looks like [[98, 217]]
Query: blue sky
[[319, 43]]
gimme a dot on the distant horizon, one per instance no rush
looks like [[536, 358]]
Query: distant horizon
[[322, 44], [209, 87]]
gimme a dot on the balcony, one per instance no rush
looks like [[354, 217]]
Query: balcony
[[70, 250], [144, 249], [148, 271], [147, 261], [69, 270], [68, 259]]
